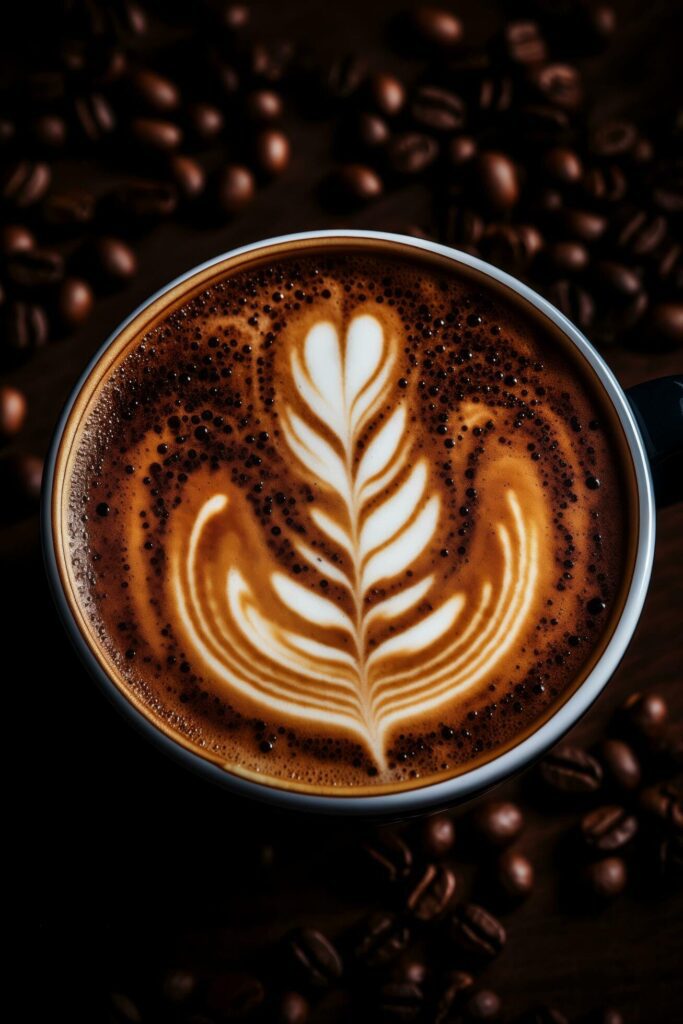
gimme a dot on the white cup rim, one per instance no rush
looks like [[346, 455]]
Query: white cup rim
[[458, 788]]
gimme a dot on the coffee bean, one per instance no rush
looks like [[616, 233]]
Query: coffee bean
[[574, 301], [343, 77], [668, 260], [114, 260], [566, 257], [410, 969], [461, 149], [436, 28], [498, 822], [663, 803], [133, 18], [539, 123], [497, 180], [20, 481], [188, 175], [399, 1001], [543, 1014], [605, 184], [94, 116], [515, 874], [234, 995], [608, 828], [24, 183], [272, 151], [380, 939], [640, 234], [8, 131], [145, 200], [371, 131], [646, 712], [357, 183], [563, 165], [559, 84], [69, 208], [438, 835], [235, 17], [619, 319], [606, 878], [314, 957], [13, 409], [49, 131], [412, 153], [154, 133], [463, 228], [476, 931], [25, 328], [388, 855], [235, 188], [264, 105], [523, 43], [494, 96], [74, 301], [452, 989], [431, 894], [16, 238], [670, 858], [613, 139], [292, 1008], [483, 1005], [511, 246], [582, 224], [616, 280], [621, 764], [386, 93], [155, 90], [665, 323], [178, 985], [206, 122], [437, 109], [35, 268], [571, 769]]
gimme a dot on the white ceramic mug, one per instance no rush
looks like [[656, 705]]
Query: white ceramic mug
[[651, 418]]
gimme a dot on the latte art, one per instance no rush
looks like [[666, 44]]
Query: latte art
[[340, 521]]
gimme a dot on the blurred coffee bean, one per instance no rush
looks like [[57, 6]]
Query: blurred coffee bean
[[559, 84], [49, 130], [389, 856], [371, 131], [13, 410], [476, 931], [408, 968], [451, 990], [74, 302], [515, 874], [235, 188], [523, 43], [313, 957], [665, 323], [606, 878], [20, 480], [619, 319], [412, 153], [357, 183], [386, 93], [670, 858], [188, 175], [292, 1008], [272, 151], [498, 822], [69, 208], [543, 1014], [436, 27], [133, 17], [616, 279], [24, 183], [483, 1005], [511, 246], [641, 233], [142, 200], [16, 238], [437, 109], [608, 828], [646, 712], [94, 116], [35, 268], [25, 328], [571, 769], [605, 184], [380, 938], [621, 764], [542, 124], [613, 139], [463, 228], [668, 260], [264, 105], [178, 985], [154, 133], [155, 90], [113, 259], [582, 224], [431, 893], [461, 149], [566, 257], [494, 96], [496, 179], [343, 77], [563, 165], [205, 121], [270, 63], [399, 1001], [234, 995], [438, 835], [8, 131], [662, 803], [227, 78], [234, 17]]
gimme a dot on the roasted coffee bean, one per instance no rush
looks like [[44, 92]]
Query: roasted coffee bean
[[523, 43], [13, 410], [621, 764], [438, 835], [663, 803], [559, 84], [620, 319], [49, 131], [74, 302], [408, 968], [463, 228], [399, 1001], [605, 184], [270, 62], [234, 995], [389, 856], [515, 874], [543, 1014], [497, 181], [94, 116], [494, 95], [380, 939], [616, 279], [437, 109], [412, 153], [357, 183], [177, 985], [477, 931], [69, 208], [314, 957], [386, 93], [431, 893], [574, 301], [154, 133], [114, 260], [155, 90], [264, 105], [235, 188], [511, 246], [613, 139], [272, 151], [292, 1008], [668, 260], [227, 79], [571, 769], [498, 822], [20, 480], [435, 27], [566, 257], [25, 328], [646, 712], [133, 18], [606, 878], [582, 224], [35, 268], [670, 857], [608, 828], [539, 123], [205, 121], [640, 233], [563, 165], [665, 323], [16, 238], [483, 1005], [371, 131], [146, 200], [343, 77], [461, 149], [451, 991], [24, 183], [235, 17], [188, 175]]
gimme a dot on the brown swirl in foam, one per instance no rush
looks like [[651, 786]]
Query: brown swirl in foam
[[370, 564]]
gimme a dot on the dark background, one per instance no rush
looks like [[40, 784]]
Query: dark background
[[126, 859]]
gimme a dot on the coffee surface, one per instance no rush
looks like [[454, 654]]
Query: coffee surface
[[347, 519]]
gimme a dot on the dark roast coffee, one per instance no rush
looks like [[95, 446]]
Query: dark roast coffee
[[345, 516]]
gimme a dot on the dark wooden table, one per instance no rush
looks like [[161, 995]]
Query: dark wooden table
[[126, 851]]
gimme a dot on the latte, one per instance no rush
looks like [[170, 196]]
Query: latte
[[345, 518]]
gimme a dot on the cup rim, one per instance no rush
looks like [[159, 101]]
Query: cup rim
[[504, 765]]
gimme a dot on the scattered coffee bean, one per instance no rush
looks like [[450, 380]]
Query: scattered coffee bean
[[343, 77], [389, 856], [371, 131], [461, 149], [497, 180], [49, 131], [264, 105], [386, 93], [511, 246], [381, 938], [582, 224], [665, 323], [235, 188], [114, 260], [438, 835], [515, 874], [24, 183], [412, 153], [436, 27], [25, 329], [357, 183], [155, 90], [234, 995], [566, 257], [663, 803], [13, 409], [292, 1008], [16, 238], [145, 200], [314, 957], [563, 165], [188, 175], [400, 1001], [524, 44], [407, 968], [463, 227], [477, 931], [574, 301], [640, 233], [178, 985], [450, 994], [431, 894], [35, 268], [74, 301], [94, 116], [155, 133], [69, 208], [613, 139], [571, 769], [272, 151], [437, 109], [20, 480], [606, 878], [559, 84], [621, 764], [498, 822], [608, 828], [206, 121], [544, 1014], [647, 712], [670, 858], [483, 1005], [616, 279]]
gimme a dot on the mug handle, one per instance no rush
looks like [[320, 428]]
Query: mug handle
[[658, 408]]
